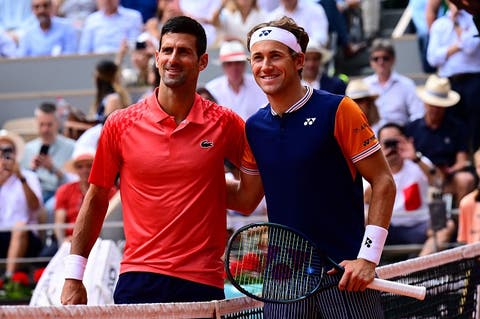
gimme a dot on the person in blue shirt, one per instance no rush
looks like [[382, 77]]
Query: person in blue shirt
[[312, 149], [106, 29], [50, 36]]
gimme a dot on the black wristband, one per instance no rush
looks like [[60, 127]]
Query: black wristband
[[23, 180]]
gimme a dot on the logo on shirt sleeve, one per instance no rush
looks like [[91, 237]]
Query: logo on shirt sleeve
[[206, 144]]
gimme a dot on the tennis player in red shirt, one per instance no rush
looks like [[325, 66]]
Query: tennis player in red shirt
[[169, 150]]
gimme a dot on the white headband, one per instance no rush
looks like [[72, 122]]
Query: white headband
[[276, 34]]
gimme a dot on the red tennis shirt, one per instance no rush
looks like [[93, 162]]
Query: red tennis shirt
[[172, 185]]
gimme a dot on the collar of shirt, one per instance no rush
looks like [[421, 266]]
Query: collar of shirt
[[194, 116], [297, 104]]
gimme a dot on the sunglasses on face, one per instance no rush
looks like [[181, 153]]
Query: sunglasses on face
[[385, 58]]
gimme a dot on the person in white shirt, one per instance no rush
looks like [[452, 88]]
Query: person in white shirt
[[20, 198], [236, 89], [409, 223], [310, 16], [397, 100], [454, 49]]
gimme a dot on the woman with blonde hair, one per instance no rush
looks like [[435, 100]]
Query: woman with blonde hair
[[110, 93]]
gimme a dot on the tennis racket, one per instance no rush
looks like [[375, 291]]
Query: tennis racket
[[274, 263]]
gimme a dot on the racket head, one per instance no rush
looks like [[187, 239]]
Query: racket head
[[274, 263]]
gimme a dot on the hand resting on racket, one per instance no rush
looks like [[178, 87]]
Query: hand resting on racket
[[357, 274]]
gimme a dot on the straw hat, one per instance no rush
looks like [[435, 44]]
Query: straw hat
[[316, 47], [437, 92], [80, 154], [358, 89], [15, 139], [232, 51]]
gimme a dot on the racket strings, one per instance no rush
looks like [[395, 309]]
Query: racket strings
[[275, 264]]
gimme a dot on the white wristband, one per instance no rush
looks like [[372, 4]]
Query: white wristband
[[372, 243], [75, 267]]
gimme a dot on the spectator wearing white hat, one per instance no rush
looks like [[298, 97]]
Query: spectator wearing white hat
[[314, 73], [236, 88], [20, 198], [443, 139]]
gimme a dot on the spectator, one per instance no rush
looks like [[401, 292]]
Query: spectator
[[397, 100], [469, 211], [76, 11], [268, 5], [419, 8], [14, 17], [455, 51], [69, 196], [8, 47], [20, 198], [442, 138], [49, 36], [166, 9], [49, 166], [410, 217], [206, 94], [110, 95], [314, 73], [236, 88], [147, 8], [359, 91], [202, 11], [140, 56], [234, 18], [337, 24], [310, 16], [105, 29]]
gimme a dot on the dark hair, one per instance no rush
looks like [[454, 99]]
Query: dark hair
[[105, 77], [183, 24], [47, 107], [400, 128], [203, 90]]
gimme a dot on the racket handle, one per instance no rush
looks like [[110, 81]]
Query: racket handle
[[398, 288]]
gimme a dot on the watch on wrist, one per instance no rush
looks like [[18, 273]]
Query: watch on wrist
[[418, 157]]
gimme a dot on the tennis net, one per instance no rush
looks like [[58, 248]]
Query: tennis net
[[452, 279]]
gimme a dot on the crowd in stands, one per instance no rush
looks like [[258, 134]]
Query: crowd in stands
[[430, 135]]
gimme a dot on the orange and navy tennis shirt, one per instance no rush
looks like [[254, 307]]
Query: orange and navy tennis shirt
[[172, 185], [306, 160]]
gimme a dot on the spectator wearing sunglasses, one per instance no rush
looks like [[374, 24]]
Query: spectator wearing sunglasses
[[397, 100], [50, 36], [20, 198]]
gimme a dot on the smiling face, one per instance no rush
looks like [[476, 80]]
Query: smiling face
[[274, 67], [177, 60]]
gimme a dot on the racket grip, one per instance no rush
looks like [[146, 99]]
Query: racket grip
[[398, 288]]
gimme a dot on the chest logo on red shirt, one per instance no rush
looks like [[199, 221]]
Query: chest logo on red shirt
[[309, 121], [206, 144]]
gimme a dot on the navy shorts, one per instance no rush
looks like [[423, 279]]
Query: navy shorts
[[146, 287]]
